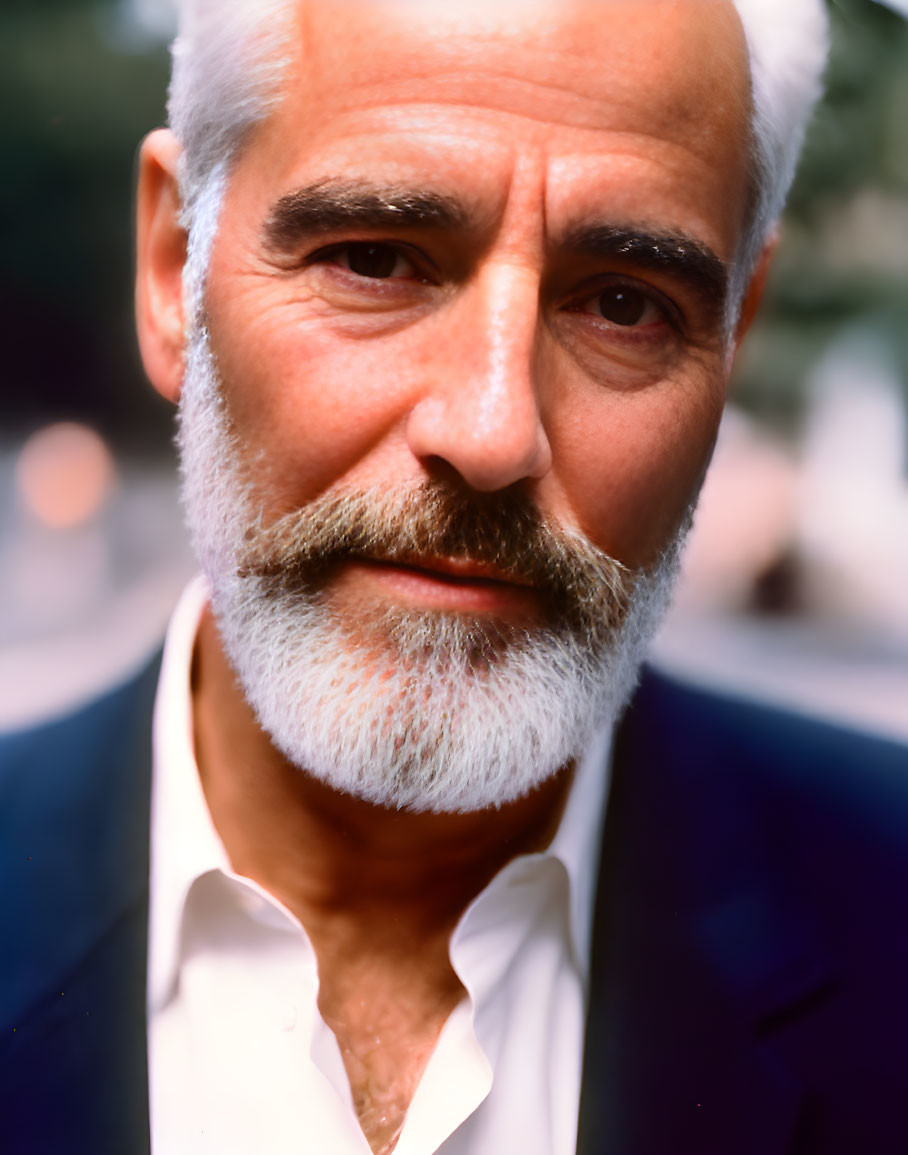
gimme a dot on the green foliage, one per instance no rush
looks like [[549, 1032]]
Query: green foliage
[[844, 257], [73, 106]]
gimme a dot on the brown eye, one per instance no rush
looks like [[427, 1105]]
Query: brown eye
[[375, 261], [624, 306]]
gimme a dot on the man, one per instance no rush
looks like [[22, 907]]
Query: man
[[449, 296]]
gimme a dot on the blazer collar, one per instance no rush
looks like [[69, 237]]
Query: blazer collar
[[699, 956]]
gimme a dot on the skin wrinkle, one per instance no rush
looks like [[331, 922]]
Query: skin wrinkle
[[737, 276], [505, 75], [505, 79]]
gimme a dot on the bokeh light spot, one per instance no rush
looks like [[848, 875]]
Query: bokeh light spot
[[65, 474]]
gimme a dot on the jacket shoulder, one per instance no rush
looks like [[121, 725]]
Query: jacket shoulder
[[74, 804], [703, 732]]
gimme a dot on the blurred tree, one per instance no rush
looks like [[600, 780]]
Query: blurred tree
[[74, 102], [844, 260]]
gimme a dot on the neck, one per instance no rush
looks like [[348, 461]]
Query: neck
[[325, 854], [378, 891]]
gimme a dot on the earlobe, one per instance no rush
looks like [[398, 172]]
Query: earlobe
[[160, 257], [755, 289]]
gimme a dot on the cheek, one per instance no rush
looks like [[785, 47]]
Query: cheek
[[309, 406], [632, 464]]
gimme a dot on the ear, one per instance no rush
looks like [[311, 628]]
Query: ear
[[754, 294], [160, 256]]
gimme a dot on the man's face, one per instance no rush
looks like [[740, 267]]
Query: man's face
[[428, 262], [480, 254]]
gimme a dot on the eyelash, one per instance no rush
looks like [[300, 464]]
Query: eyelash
[[418, 260], [671, 315]]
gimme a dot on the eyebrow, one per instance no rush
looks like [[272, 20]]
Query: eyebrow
[[673, 253], [333, 204]]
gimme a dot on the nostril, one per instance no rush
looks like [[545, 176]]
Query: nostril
[[438, 469], [485, 458]]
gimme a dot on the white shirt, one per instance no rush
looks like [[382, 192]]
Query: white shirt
[[240, 1060]]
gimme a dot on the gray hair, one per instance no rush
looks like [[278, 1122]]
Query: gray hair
[[228, 63], [230, 57], [788, 43]]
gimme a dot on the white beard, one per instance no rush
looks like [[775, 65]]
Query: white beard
[[422, 711]]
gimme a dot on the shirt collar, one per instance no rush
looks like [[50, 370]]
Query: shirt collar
[[577, 840], [184, 842]]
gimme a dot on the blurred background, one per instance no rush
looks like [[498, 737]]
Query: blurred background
[[796, 583]]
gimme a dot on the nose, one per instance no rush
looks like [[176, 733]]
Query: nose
[[480, 411]]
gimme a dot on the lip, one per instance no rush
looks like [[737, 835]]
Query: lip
[[457, 568], [457, 585]]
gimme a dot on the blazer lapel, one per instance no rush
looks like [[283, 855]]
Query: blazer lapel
[[73, 1070], [697, 960]]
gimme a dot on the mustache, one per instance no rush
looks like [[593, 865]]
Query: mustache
[[435, 521]]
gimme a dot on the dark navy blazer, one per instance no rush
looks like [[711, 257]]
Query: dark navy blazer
[[749, 991]]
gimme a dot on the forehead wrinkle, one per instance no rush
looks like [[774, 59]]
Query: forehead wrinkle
[[543, 49]]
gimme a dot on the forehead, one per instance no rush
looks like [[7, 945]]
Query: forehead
[[662, 62], [601, 99]]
